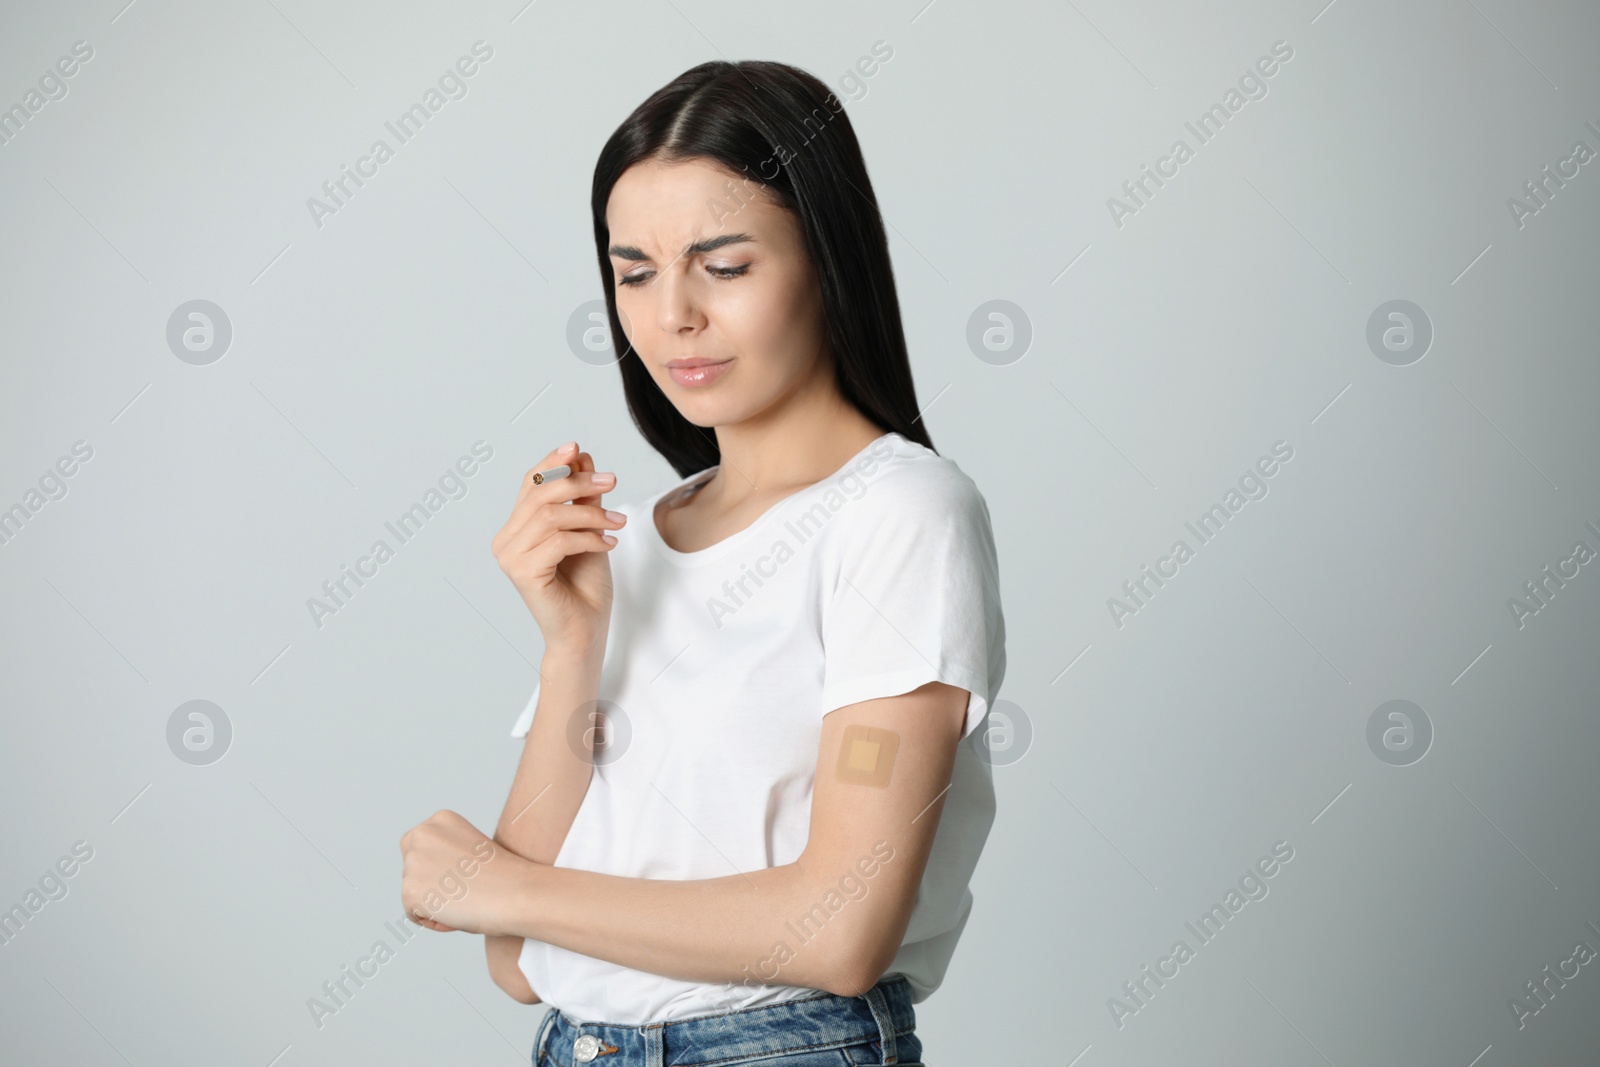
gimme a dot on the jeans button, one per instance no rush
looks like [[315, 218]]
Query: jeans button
[[585, 1048]]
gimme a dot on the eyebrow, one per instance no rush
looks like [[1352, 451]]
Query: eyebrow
[[709, 244]]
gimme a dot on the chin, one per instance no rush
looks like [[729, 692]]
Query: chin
[[707, 416], [707, 412], [705, 422]]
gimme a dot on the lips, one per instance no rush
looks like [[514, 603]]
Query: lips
[[697, 371]]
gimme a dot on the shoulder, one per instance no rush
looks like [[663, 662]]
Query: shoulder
[[900, 482]]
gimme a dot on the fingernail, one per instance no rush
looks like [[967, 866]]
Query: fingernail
[[615, 516], [604, 479], [568, 447]]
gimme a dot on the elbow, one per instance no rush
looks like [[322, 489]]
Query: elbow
[[517, 989], [859, 969], [862, 943], [504, 970], [527, 996]]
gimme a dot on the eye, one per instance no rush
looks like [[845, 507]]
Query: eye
[[720, 273]]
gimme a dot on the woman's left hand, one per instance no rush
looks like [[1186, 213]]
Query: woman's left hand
[[453, 877]]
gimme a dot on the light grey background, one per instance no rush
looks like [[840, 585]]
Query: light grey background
[[1168, 754]]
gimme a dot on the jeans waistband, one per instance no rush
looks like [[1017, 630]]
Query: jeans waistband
[[807, 1023]]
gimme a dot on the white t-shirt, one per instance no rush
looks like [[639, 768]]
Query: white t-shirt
[[719, 667]]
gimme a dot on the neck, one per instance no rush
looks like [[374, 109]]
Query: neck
[[783, 451]]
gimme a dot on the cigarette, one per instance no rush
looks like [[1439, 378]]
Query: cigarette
[[540, 477]]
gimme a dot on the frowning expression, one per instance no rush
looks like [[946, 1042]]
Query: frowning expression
[[715, 290]]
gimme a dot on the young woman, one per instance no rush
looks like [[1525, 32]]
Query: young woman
[[751, 794]]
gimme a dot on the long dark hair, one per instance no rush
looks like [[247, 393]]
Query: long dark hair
[[782, 129]]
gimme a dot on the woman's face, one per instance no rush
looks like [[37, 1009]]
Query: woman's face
[[704, 274]]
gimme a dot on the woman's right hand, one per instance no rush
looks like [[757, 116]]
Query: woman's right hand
[[553, 549]]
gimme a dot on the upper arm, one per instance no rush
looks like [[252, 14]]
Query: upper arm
[[913, 647], [883, 767]]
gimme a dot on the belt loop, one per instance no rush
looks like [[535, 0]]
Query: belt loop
[[543, 1036], [655, 1046], [880, 1014]]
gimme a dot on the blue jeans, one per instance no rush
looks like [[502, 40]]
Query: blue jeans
[[813, 1031]]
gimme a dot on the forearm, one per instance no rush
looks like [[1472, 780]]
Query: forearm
[[766, 927], [557, 757], [546, 792]]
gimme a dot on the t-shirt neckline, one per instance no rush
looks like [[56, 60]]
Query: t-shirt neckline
[[734, 540]]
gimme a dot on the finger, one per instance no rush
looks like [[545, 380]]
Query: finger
[[572, 487], [545, 556], [554, 458], [585, 464], [545, 521], [579, 487]]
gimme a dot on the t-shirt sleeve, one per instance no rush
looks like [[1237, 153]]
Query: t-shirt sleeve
[[917, 598], [525, 721]]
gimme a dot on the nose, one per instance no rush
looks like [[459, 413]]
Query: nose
[[678, 309]]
